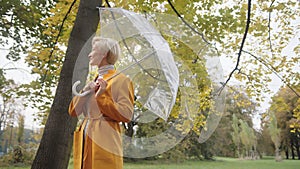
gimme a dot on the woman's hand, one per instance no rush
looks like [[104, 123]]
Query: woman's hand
[[89, 86], [101, 83]]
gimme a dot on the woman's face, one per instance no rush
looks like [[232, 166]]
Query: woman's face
[[95, 56]]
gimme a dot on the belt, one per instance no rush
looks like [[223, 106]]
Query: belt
[[99, 118], [88, 119]]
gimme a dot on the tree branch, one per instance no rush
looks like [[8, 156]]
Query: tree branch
[[106, 1], [273, 70], [12, 68], [269, 26], [4, 49], [187, 24], [15, 68], [241, 48], [56, 40]]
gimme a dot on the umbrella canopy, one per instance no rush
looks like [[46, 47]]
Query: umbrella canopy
[[146, 58], [148, 61]]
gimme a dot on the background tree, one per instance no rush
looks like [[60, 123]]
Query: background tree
[[295, 127], [283, 105], [248, 139], [7, 107], [275, 135], [20, 135], [235, 134], [296, 122], [10, 109], [21, 24], [265, 144], [8, 138], [226, 139]]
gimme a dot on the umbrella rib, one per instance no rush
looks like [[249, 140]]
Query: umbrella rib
[[109, 78], [125, 44], [135, 63]]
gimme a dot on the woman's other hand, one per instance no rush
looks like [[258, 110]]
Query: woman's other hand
[[101, 83]]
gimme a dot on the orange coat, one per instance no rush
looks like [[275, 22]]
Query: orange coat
[[101, 145]]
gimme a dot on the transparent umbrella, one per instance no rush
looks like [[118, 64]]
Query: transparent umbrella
[[148, 61], [146, 58]]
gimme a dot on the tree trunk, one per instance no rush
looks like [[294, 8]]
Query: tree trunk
[[296, 143], [297, 146], [238, 151], [56, 144], [286, 153], [292, 148], [298, 150], [277, 155]]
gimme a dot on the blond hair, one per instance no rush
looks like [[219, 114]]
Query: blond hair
[[109, 47]]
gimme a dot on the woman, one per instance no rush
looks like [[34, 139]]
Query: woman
[[110, 103]]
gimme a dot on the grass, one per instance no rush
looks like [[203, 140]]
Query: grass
[[220, 163]]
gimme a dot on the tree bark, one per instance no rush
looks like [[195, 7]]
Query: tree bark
[[56, 144], [296, 140], [292, 151], [286, 153], [297, 146], [277, 155]]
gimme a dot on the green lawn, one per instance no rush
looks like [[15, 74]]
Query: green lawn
[[220, 163]]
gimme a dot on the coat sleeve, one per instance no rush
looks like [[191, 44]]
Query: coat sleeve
[[76, 105], [118, 104]]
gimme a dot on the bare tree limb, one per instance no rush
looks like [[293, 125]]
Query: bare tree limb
[[13, 67], [4, 49], [16, 68], [273, 70], [241, 48], [106, 1], [269, 26]]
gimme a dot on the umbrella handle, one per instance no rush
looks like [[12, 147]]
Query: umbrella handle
[[79, 94]]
